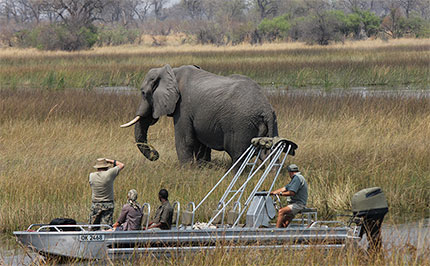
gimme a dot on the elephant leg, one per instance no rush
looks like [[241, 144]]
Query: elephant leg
[[235, 149], [202, 153], [184, 142]]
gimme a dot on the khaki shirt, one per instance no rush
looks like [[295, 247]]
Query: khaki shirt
[[102, 184], [164, 215]]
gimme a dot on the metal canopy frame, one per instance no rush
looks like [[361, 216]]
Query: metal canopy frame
[[273, 159]]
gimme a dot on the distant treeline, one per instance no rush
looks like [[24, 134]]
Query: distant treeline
[[81, 24]]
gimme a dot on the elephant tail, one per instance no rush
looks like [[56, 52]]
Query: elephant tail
[[270, 128], [272, 125]]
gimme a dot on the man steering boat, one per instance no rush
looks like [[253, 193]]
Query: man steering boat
[[297, 189]]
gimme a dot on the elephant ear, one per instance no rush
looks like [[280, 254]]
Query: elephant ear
[[166, 94]]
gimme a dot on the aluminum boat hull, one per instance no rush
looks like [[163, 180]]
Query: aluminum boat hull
[[117, 244]]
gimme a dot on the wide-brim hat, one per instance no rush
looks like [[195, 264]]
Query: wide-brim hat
[[101, 163], [292, 168]]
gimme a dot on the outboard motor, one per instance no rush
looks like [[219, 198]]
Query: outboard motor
[[371, 206]]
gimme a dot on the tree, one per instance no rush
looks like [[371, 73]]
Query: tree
[[418, 27], [158, 6], [394, 24], [276, 28], [193, 8], [72, 25], [360, 22], [267, 8], [408, 6], [127, 12], [323, 27], [22, 11]]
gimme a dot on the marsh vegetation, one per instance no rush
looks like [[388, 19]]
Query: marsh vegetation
[[49, 138], [288, 65]]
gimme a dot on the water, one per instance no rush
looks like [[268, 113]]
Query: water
[[413, 236], [364, 92], [124, 90]]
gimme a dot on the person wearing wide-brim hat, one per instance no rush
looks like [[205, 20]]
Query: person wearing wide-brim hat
[[297, 189], [101, 183]]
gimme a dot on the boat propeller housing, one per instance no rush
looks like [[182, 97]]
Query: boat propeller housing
[[371, 206]]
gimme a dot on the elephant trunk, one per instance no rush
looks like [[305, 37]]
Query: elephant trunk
[[141, 137]]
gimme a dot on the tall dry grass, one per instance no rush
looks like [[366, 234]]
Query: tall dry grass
[[49, 141], [402, 63]]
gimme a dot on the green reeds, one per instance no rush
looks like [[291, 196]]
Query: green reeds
[[371, 63]]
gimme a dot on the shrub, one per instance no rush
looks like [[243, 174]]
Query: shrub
[[117, 35], [394, 24], [418, 27], [241, 33], [324, 27], [362, 22], [276, 28], [210, 34], [58, 37]]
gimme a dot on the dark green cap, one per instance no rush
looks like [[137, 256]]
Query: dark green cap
[[292, 168]]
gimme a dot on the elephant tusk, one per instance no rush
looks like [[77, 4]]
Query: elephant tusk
[[132, 122]]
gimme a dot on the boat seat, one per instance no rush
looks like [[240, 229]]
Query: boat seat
[[232, 216], [187, 218], [306, 210], [218, 219], [309, 215]]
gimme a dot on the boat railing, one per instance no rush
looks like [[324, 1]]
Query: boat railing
[[248, 153], [188, 215], [272, 157], [175, 219], [67, 227], [242, 187], [146, 216]]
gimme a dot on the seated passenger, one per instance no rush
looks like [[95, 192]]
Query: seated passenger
[[164, 214], [131, 214], [297, 189]]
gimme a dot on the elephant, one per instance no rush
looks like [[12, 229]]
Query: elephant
[[209, 112]]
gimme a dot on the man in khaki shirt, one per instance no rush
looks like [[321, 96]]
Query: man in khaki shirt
[[101, 183], [164, 214]]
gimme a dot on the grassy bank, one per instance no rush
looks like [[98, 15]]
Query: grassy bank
[[49, 141], [402, 63]]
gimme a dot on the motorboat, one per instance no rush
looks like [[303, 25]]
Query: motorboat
[[242, 219]]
